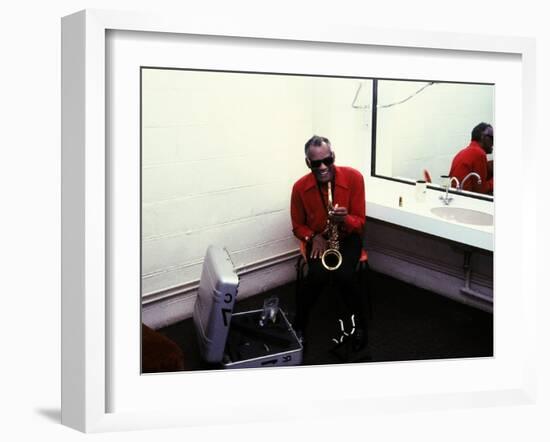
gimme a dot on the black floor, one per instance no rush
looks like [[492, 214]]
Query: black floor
[[406, 323]]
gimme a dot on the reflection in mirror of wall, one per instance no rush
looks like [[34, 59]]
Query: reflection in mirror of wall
[[422, 125]]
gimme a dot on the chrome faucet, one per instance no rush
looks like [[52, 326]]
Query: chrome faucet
[[447, 199], [468, 176]]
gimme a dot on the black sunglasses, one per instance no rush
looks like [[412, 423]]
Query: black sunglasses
[[315, 164]]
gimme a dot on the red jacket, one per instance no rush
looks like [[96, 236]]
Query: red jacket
[[308, 213], [472, 159]]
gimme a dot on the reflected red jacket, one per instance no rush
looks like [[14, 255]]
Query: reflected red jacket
[[308, 213], [472, 159]]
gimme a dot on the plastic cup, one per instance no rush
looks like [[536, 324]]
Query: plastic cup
[[270, 310]]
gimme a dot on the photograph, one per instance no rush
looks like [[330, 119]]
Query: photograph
[[265, 241]]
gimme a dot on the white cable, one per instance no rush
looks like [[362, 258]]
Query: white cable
[[383, 106]]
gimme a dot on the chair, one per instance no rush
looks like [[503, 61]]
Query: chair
[[427, 176]]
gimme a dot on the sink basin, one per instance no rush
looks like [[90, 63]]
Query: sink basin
[[463, 215]]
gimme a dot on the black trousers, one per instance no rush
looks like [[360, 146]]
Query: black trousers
[[343, 279]]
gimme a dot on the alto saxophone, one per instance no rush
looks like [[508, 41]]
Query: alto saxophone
[[331, 257]]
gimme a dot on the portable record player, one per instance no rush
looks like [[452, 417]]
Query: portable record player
[[256, 338]]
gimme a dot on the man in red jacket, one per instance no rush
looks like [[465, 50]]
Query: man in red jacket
[[473, 158], [309, 214]]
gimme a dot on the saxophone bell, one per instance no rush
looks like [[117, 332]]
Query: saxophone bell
[[331, 257]]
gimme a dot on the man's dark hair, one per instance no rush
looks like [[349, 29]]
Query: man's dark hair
[[315, 140], [478, 130]]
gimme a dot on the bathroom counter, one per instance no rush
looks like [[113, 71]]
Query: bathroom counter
[[383, 204]]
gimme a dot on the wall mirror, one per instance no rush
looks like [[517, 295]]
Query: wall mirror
[[421, 125]]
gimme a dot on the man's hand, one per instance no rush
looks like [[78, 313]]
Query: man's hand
[[338, 214], [318, 246]]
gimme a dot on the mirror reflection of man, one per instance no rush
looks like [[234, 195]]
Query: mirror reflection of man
[[473, 158], [309, 213]]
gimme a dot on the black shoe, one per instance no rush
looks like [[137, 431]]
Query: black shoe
[[359, 339]]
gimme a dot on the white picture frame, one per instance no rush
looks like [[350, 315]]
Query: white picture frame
[[85, 209]]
